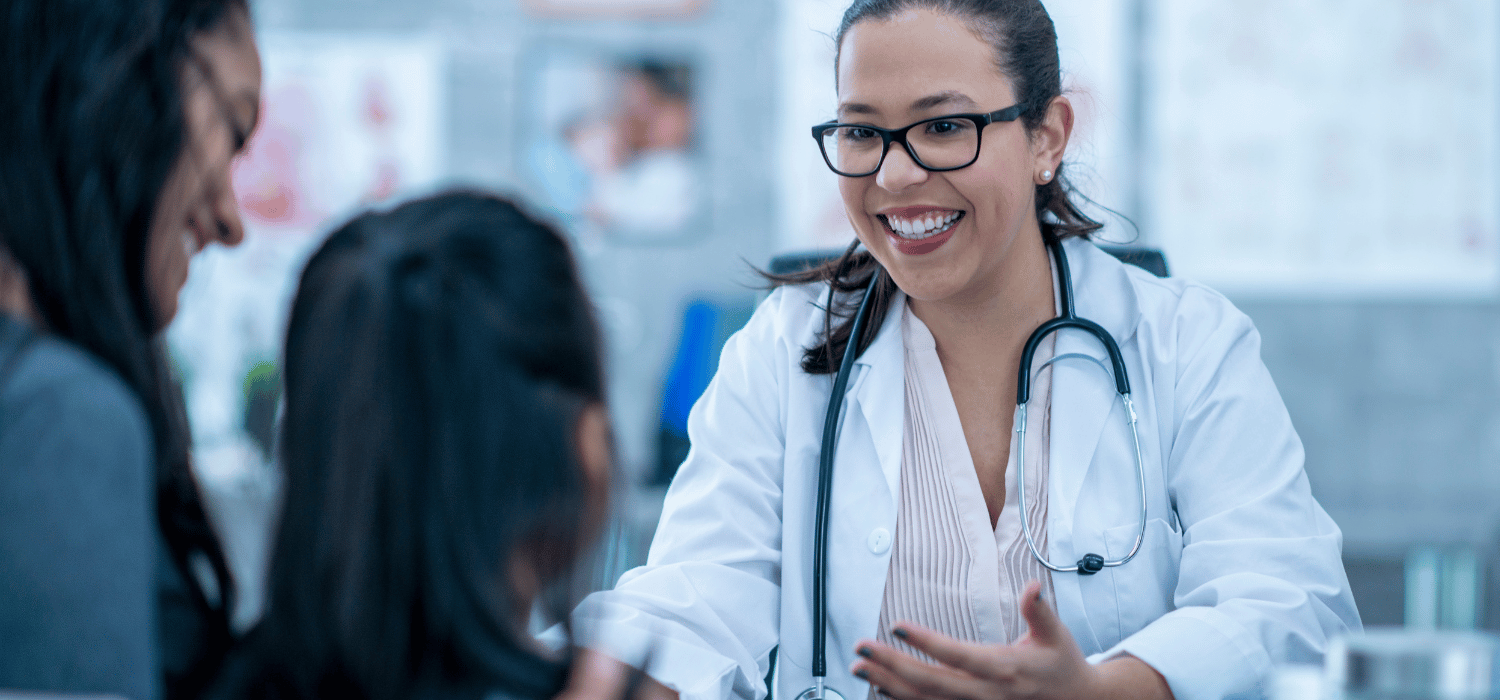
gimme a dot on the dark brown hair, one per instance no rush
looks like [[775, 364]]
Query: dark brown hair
[[438, 357], [91, 124], [1025, 48]]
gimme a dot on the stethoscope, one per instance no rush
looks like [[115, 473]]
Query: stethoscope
[[1090, 563]]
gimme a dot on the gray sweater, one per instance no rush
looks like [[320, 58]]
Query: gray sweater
[[78, 536]]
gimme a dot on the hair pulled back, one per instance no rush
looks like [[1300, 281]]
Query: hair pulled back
[[438, 358], [1025, 50], [91, 124]]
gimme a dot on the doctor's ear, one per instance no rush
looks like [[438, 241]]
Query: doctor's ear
[[1049, 140]]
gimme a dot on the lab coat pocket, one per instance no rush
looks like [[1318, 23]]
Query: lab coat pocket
[[1144, 585]]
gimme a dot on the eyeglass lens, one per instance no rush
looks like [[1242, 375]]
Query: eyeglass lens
[[857, 151]]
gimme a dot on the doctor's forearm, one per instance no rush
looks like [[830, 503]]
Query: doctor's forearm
[[1129, 678]]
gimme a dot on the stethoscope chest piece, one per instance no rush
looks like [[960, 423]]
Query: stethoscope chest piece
[[823, 693]]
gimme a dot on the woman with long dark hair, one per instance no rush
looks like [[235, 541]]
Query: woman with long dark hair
[[866, 495], [118, 121], [447, 457]]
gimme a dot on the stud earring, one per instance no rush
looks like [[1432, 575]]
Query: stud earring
[[1046, 176]]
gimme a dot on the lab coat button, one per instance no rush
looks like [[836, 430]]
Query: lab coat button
[[880, 541]]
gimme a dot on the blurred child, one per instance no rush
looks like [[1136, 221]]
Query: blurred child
[[447, 455]]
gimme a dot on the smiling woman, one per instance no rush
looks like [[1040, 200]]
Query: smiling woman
[[120, 123], [221, 103], [882, 518]]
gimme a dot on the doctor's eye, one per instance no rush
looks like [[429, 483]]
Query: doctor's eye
[[853, 135], [948, 127]]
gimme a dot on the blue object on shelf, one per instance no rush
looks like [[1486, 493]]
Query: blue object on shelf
[[692, 367], [706, 325]]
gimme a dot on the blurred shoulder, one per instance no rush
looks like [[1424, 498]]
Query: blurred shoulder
[[76, 524], [57, 389]]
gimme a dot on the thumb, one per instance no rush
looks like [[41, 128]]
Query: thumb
[[1045, 627]]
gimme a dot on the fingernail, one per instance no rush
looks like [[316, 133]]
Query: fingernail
[[899, 632], [866, 652], [862, 675]]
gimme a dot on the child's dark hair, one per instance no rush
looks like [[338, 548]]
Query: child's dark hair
[[1025, 51], [437, 361]]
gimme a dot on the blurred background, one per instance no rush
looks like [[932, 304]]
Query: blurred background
[[1330, 165]]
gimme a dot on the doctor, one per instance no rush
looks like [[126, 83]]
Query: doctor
[[933, 588]]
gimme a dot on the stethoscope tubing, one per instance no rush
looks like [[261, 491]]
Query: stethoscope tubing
[[1116, 360], [825, 479], [1070, 319], [1140, 474]]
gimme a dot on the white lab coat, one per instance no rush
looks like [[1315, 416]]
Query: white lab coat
[[1240, 568]]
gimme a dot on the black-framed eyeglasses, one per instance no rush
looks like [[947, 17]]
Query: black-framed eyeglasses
[[942, 143]]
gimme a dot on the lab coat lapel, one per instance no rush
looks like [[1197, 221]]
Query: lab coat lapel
[[881, 393], [1083, 394]]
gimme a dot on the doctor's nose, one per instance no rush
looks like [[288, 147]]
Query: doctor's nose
[[899, 171]]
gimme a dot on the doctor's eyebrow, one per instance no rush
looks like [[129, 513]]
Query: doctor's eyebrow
[[944, 98]]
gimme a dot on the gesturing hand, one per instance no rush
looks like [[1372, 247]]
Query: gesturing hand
[[1046, 663]]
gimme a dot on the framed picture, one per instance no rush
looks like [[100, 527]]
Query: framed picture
[[610, 144], [348, 120], [634, 9]]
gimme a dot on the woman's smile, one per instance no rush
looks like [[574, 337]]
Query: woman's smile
[[919, 230]]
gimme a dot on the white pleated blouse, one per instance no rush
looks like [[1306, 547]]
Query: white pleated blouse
[[950, 571]]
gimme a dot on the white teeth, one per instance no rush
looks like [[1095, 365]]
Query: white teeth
[[925, 227]]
